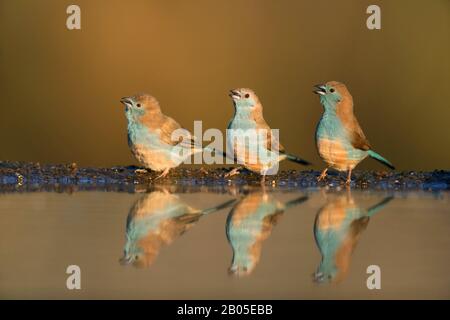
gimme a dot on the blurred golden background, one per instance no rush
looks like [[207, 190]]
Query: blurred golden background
[[60, 89]]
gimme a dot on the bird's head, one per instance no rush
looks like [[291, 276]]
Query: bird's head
[[325, 274], [244, 98], [138, 257], [130, 258], [140, 104], [332, 94]]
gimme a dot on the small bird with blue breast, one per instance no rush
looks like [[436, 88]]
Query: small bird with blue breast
[[340, 141], [151, 135], [249, 137]]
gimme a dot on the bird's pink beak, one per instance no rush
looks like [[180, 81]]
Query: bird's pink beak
[[234, 94], [125, 260], [127, 102], [320, 89]]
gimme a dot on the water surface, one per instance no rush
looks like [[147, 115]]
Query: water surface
[[232, 244]]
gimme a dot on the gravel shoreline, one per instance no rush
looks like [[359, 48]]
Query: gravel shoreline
[[27, 176]]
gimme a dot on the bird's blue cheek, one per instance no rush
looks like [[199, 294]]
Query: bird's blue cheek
[[240, 103], [134, 113], [140, 112], [248, 103], [335, 97]]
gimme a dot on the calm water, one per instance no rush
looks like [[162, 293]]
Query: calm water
[[236, 244]]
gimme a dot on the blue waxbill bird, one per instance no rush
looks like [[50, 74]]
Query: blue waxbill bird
[[340, 140], [150, 135], [258, 155]]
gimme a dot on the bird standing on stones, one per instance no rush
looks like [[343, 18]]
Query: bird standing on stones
[[340, 140], [150, 135], [262, 151]]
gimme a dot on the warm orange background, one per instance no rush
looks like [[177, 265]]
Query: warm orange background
[[60, 89]]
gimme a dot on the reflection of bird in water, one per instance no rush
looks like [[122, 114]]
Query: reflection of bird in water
[[249, 223], [337, 229], [156, 220]]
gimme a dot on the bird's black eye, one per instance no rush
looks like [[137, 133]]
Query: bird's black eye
[[331, 90], [138, 105], [247, 95]]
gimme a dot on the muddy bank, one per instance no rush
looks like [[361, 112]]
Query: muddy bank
[[24, 176]]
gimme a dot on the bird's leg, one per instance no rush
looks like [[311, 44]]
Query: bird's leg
[[140, 171], [164, 190], [323, 175], [349, 177], [233, 172], [163, 174], [263, 180]]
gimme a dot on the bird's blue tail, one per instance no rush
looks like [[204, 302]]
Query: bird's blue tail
[[379, 158], [219, 207], [296, 159], [296, 201], [372, 210]]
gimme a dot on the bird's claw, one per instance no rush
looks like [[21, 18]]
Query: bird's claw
[[140, 171], [233, 172], [321, 177], [163, 174]]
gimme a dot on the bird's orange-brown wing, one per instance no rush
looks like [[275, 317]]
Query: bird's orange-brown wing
[[168, 126], [351, 124], [272, 145], [358, 139]]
